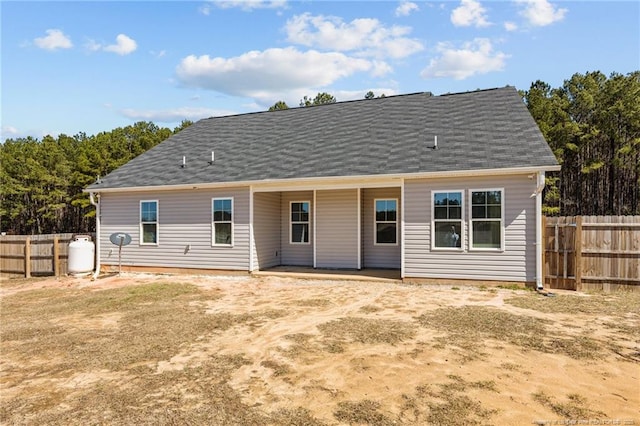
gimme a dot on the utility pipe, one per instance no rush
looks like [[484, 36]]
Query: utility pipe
[[97, 204], [539, 231]]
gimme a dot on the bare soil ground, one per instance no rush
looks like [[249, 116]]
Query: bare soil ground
[[167, 350]]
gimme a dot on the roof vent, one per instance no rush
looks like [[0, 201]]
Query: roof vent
[[184, 162], [213, 158]]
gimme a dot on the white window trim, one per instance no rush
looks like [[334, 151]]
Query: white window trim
[[375, 223], [501, 220], [433, 221], [157, 223], [213, 224], [291, 223]]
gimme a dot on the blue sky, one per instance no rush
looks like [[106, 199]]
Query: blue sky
[[90, 66]]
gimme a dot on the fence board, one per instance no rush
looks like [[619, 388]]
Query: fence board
[[592, 252]]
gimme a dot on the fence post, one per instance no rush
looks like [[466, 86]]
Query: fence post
[[56, 257], [578, 252], [27, 257]]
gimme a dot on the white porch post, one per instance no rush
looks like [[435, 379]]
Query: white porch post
[[359, 212], [402, 228], [314, 229], [251, 245]]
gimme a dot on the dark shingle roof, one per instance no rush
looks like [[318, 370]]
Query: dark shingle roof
[[487, 129]]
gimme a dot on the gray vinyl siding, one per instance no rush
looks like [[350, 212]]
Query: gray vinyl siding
[[515, 263], [184, 229], [337, 229], [378, 256], [295, 254], [266, 229]]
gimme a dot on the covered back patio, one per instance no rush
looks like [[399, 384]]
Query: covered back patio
[[346, 229]]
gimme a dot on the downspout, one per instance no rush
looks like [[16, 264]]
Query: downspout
[[539, 231], [97, 204]]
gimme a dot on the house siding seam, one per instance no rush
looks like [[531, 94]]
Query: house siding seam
[[184, 230], [337, 229], [515, 263]]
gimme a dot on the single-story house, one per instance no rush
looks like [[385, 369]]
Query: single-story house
[[437, 187]]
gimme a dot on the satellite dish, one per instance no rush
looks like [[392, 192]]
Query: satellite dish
[[120, 238]]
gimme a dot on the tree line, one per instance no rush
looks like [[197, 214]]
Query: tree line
[[41, 181], [591, 122]]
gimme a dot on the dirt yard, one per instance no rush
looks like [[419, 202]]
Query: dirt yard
[[173, 350]]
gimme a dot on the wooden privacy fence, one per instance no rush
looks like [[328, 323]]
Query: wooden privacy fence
[[592, 252], [34, 255]]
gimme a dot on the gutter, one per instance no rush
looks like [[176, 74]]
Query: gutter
[[539, 231], [267, 185], [93, 201]]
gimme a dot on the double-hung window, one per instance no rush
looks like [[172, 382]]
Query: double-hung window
[[386, 221], [447, 219], [299, 222], [486, 219], [149, 222], [222, 223]]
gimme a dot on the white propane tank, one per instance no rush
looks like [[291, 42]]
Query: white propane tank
[[81, 255]]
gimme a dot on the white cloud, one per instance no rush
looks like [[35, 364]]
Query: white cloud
[[364, 37], [92, 45], [265, 74], [510, 26], [205, 9], [159, 54], [406, 8], [8, 132], [475, 57], [469, 13], [173, 115], [541, 13], [124, 45], [55, 39], [248, 5]]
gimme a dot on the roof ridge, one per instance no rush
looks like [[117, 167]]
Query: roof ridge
[[508, 86]]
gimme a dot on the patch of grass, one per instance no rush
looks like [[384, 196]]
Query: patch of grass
[[193, 396], [628, 332], [369, 309], [278, 369], [455, 288], [295, 417], [514, 287], [152, 323], [361, 412], [601, 304], [469, 327], [313, 302], [575, 406], [368, 330], [450, 405]]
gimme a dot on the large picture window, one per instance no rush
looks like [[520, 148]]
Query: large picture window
[[149, 222], [299, 222], [447, 219], [222, 221], [486, 219], [386, 221]]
